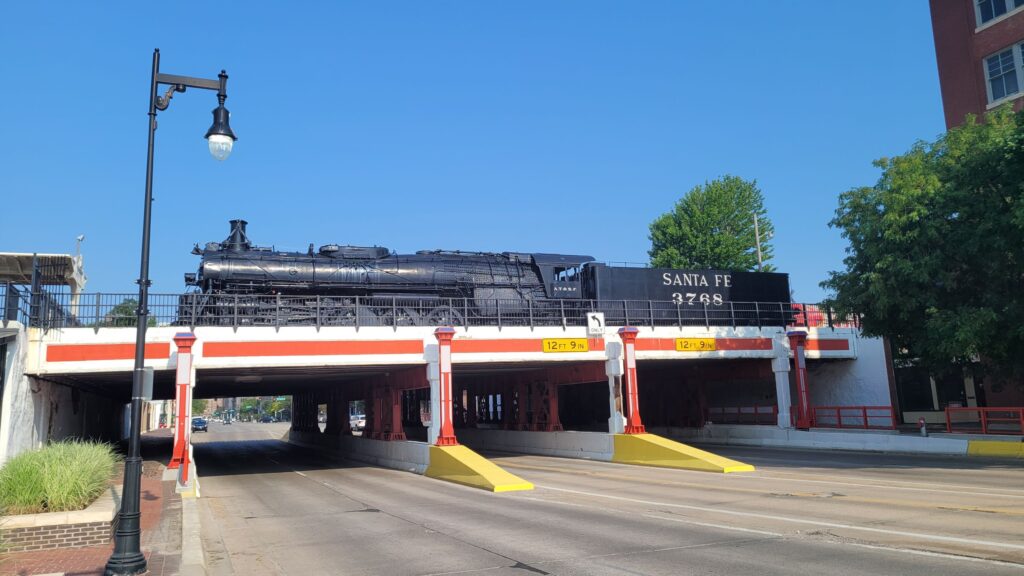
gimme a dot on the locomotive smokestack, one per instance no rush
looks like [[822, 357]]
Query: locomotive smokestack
[[237, 241]]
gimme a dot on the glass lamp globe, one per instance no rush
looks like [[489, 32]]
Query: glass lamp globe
[[220, 146]]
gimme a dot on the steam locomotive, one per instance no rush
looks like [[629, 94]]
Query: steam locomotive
[[238, 282]]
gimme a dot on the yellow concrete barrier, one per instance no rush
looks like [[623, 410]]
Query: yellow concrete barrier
[[995, 448], [652, 450], [463, 466]]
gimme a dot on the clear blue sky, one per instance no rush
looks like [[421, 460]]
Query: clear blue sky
[[526, 126]]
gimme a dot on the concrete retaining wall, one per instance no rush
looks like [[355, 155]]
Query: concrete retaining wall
[[589, 445], [771, 436], [399, 455]]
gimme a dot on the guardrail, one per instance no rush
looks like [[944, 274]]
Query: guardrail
[[1001, 420], [863, 417], [98, 310], [756, 414]]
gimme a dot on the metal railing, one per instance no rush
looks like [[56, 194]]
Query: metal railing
[[863, 417], [199, 309], [756, 414], [1002, 420]]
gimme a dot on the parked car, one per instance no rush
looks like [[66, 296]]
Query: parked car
[[200, 425], [267, 419], [357, 421]]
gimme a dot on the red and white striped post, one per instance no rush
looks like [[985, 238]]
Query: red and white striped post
[[633, 423], [446, 436], [182, 398], [798, 343]]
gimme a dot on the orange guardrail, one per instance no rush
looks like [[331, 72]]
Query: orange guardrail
[[756, 414], [863, 417], [999, 420]]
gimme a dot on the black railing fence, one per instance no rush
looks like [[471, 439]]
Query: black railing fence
[[196, 309]]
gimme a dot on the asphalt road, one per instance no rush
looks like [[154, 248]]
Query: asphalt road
[[271, 508]]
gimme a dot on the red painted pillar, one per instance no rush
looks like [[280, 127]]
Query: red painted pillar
[[446, 436], [798, 342], [182, 398], [633, 423]]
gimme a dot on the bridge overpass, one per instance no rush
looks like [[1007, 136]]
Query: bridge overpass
[[546, 384]]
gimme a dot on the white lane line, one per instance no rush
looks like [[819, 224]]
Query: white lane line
[[795, 520], [843, 543], [713, 525], [953, 489]]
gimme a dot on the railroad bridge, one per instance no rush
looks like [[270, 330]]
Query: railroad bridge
[[582, 382]]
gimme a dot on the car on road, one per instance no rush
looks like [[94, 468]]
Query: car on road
[[267, 419], [200, 425], [357, 421]]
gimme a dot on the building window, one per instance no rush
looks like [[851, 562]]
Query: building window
[[986, 10], [1001, 71]]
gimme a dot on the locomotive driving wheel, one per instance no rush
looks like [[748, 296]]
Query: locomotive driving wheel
[[400, 316], [444, 316]]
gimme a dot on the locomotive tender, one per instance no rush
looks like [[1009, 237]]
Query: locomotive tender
[[372, 286]]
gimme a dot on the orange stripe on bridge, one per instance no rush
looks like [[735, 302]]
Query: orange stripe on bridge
[[512, 345], [96, 352], [311, 348]]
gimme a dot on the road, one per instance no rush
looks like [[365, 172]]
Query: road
[[271, 508]]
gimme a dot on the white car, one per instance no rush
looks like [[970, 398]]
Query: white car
[[357, 421]]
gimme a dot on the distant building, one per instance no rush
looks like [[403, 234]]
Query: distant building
[[979, 46]]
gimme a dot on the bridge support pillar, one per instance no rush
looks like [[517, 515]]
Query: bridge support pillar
[[337, 413], [780, 366], [798, 342], [184, 381], [442, 433], [545, 407], [633, 423]]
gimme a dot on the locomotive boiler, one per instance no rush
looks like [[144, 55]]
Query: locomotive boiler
[[241, 283]]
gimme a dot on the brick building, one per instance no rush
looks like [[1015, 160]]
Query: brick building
[[979, 46]]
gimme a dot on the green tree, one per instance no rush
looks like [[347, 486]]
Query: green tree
[[712, 226], [199, 407], [936, 254], [123, 314]]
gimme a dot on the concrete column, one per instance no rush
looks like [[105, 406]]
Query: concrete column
[[183, 397], [633, 423], [780, 366], [337, 415], [798, 342], [441, 389], [613, 368]]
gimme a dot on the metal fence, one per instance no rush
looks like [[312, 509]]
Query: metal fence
[[198, 309]]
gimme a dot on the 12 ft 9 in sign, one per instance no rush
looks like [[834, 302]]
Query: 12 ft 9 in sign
[[566, 345], [695, 345]]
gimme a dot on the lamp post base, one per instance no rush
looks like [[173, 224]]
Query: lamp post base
[[127, 565]]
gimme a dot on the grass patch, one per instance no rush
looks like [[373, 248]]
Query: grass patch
[[66, 475]]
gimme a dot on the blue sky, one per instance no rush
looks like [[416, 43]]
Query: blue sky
[[525, 126]]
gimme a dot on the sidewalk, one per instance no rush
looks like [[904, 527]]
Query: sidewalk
[[161, 530]]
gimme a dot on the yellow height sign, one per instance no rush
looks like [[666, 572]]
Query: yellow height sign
[[566, 345], [695, 345]]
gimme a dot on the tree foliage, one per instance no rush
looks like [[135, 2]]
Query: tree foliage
[[199, 407], [712, 226], [936, 254], [123, 314]]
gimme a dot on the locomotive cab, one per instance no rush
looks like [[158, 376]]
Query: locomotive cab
[[562, 274]]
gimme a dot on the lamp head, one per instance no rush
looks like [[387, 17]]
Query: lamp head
[[220, 136]]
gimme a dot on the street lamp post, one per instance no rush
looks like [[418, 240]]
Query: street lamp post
[[127, 558]]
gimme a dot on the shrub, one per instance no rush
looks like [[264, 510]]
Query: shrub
[[66, 475]]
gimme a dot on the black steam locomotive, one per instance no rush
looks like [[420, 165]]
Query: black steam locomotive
[[239, 283]]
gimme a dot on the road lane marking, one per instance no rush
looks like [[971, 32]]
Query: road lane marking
[[852, 499], [918, 535], [842, 542]]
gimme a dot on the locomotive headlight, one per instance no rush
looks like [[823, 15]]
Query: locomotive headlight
[[220, 136]]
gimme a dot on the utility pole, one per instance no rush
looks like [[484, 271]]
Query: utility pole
[[757, 235]]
